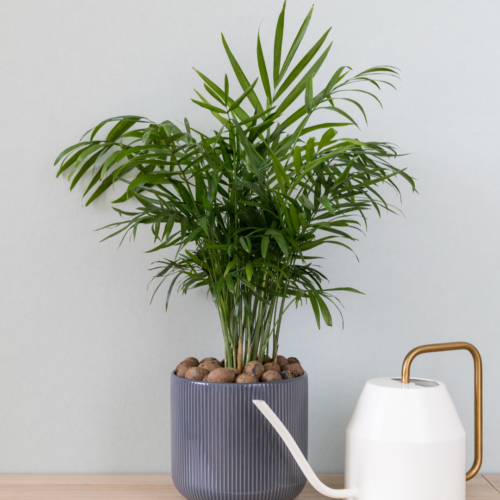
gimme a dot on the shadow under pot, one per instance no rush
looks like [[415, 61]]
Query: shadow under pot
[[223, 448]]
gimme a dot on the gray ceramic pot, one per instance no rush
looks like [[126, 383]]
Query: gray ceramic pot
[[223, 448]]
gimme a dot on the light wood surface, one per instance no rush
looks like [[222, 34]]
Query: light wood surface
[[160, 487]]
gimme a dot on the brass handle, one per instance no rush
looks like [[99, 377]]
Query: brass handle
[[478, 391]]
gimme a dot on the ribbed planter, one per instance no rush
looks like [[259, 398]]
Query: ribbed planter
[[223, 448]]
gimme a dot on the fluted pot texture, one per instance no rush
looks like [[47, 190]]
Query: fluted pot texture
[[223, 448]]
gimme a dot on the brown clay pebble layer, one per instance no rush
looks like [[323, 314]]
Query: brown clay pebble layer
[[212, 370]]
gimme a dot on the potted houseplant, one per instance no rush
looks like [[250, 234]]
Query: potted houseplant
[[244, 205]]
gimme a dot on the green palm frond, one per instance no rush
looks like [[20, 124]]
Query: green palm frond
[[245, 205]]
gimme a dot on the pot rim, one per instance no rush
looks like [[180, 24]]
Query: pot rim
[[232, 384]]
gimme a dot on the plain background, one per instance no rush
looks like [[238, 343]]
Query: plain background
[[85, 360]]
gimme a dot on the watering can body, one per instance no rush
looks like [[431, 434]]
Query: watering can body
[[405, 440]]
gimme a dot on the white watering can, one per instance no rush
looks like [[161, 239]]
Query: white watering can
[[405, 440]]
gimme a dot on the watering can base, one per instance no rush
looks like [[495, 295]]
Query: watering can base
[[395, 471]]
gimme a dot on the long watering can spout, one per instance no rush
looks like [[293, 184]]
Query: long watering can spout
[[299, 457]]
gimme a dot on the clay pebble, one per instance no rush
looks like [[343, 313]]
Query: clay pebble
[[210, 365], [208, 359], [192, 361], [271, 376], [282, 361], [255, 368], [287, 375], [272, 367], [235, 370], [244, 378], [182, 368], [196, 373], [221, 376], [295, 368]]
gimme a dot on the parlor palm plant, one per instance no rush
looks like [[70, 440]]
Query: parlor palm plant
[[245, 204]]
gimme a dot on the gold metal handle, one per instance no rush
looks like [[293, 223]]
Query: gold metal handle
[[478, 391]]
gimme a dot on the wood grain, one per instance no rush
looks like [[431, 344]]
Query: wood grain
[[494, 480], [478, 488], [160, 487]]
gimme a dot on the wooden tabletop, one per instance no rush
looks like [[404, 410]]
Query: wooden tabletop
[[160, 487]]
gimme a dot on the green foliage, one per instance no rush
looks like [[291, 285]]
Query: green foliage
[[245, 204]]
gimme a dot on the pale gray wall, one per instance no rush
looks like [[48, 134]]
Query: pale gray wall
[[84, 358]]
